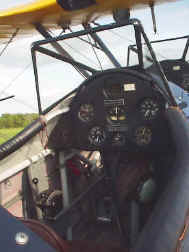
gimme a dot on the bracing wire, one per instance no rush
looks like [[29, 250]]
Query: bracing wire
[[10, 40], [95, 53], [127, 39], [83, 40], [15, 78], [116, 34], [82, 54], [76, 68], [22, 102]]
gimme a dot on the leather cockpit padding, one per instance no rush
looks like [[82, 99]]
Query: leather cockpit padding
[[163, 228], [47, 234], [61, 245]]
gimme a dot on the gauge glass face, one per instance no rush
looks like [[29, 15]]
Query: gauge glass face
[[143, 136], [86, 112], [116, 113], [97, 136], [149, 108]]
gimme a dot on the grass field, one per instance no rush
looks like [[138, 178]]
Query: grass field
[[6, 134]]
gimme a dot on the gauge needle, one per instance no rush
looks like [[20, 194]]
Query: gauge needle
[[143, 132], [116, 112], [105, 93], [147, 112]]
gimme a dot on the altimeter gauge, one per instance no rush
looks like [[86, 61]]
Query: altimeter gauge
[[86, 112], [143, 136], [149, 108], [97, 136]]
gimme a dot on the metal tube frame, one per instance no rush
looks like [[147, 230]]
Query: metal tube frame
[[139, 45], [39, 27], [158, 65], [64, 212], [133, 47], [36, 46], [104, 48], [185, 49], [65, 59], [66, 199]]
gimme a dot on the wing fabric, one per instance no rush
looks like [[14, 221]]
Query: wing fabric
[[51, 13]]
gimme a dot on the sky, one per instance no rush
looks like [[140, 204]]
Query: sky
[[16, 67]]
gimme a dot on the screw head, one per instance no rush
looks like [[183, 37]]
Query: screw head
[[35, 181], [21, 238]]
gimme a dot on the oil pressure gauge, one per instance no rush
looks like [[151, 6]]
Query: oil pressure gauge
[[97, 136]]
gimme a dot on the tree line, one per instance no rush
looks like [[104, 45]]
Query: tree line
[[16, 120]]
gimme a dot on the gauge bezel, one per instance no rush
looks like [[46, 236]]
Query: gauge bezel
[[81, 117], [92, 141], [142, 143], [151, 116], [119, 114]]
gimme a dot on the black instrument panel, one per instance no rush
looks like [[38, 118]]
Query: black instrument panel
[[118, 109]]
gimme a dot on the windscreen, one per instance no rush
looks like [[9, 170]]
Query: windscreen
[[170, 49], [62, 77]]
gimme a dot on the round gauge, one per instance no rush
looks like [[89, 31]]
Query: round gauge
[[149, 108], [97, 136], [116, 113], [143, 136], [118, 139], [86, 112]]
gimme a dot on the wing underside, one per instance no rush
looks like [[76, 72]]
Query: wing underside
[[51, 14]]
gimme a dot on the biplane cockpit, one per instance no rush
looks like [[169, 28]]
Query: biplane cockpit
[[104, 167], [175, 68]]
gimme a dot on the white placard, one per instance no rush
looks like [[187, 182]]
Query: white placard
[[129, 87], [176, 68]]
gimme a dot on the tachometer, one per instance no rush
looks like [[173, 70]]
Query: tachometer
[[86, 112], [97, 136], [143, 136], [149, 108]]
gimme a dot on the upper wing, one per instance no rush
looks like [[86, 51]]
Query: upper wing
[[51, 14]]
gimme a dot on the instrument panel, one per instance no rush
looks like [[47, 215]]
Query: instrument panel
[[118, 109]]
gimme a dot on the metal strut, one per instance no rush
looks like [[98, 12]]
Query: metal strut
[[105, 49], [172, 101], [58, 47]]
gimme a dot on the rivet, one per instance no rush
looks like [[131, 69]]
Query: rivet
[[21, 238], [35, 181]]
